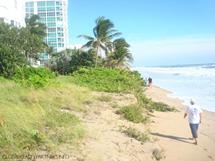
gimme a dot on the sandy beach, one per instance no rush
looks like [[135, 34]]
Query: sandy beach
[[169, 132], [173, 131]]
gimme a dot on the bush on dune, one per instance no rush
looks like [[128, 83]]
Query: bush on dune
[[34, 77], [116, 80], [150, 105], [32, 120], [133, 133], [133, 113], [107, 80]]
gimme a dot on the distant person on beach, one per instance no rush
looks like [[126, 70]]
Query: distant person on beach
[[194, 114], [149, 82]]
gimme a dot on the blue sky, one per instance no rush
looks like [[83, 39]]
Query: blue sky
[[160, 32]]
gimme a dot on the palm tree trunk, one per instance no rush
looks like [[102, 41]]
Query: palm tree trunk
[[97, 50]]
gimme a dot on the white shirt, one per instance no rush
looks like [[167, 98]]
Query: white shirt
[[193, 112]]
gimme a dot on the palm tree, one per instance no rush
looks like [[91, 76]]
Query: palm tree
[[121, 56], [103, 33], [33, 38], [35, 27]]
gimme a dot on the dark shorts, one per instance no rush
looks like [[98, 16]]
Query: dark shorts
[[194, 130]]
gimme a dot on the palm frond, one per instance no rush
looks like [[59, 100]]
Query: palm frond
[[86, 37], [88, 44]]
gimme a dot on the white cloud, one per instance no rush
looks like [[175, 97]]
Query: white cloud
[[173, 49]]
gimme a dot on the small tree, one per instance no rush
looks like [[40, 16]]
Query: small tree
[[60, 61], [121, 56], [82, 59], [103, 33], [11, 55], [70, 60], [33, 38], [117, 54]]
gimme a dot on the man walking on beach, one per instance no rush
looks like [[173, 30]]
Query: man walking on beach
[[194, 117]]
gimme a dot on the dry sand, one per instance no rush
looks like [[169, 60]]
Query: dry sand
[[173, 131], [170, 132]]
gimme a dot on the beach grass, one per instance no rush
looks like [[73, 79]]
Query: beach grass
[[134, 133], [31, 119], [133, 113], [150, 105]]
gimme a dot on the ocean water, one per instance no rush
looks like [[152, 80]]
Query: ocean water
[[186, 82]]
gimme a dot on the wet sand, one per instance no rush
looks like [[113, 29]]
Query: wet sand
[[173, 131]]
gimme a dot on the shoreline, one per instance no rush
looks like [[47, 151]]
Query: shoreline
[[173, 132], [170, 94]]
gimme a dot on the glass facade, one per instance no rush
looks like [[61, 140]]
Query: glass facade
[[53, 14]]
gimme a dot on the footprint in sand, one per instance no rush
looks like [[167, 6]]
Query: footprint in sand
[[209, 156]]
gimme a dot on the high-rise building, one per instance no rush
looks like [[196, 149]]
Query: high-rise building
[[12, 12], [53, 13]]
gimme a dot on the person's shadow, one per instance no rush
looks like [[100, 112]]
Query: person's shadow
[[182, 139]]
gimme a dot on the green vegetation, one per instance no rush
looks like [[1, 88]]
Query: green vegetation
[[158, 154], [110, 52], [150, 105], [31, 119], [34, 77], [104, 33], [107, 80], [134, 114], [133, 133], [102, 50], [32, 38], [70, 60], [159, 106], [11, 54], [19, 46], [120, 57], [41, 119]]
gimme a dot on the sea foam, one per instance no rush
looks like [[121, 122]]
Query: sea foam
[[186, 82]]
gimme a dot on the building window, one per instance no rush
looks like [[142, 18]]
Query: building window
[[52, 34], [41, 15], [51, 14], [12, 22], [59, 3], [51, 29], [50, 9], [29, 4], [50, 19], [51, 25], [59, 29], [50, 3], [41, 9], [59, 19], [41, 4], [60, 45], [60, 34]]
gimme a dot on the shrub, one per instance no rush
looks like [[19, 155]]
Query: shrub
[[70, 60], [159, 106], [133, 133], [10, 59], [108, 80], [133, 113], [34, 77], [150, 105], [158, 154]]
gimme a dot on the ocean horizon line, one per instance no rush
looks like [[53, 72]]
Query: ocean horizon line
[[176, 65]]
